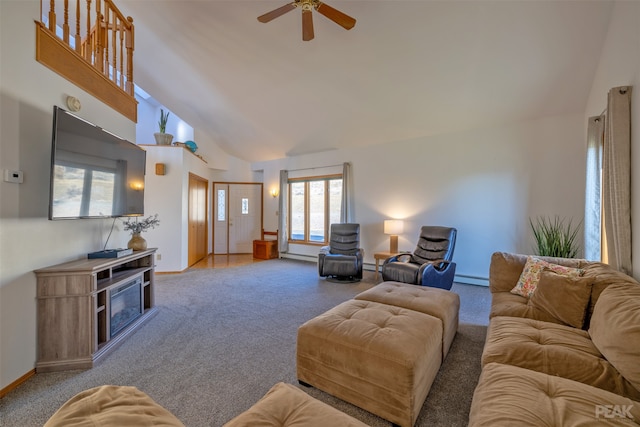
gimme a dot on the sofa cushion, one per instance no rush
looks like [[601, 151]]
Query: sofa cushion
[[531, 272], [615, 329], [505, 269], [286, 405], [508, 304], [552, 349], [603, 275], [112, 406], [565, 297], [512, 396]]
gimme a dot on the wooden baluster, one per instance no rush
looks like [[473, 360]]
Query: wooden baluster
[[88, 48], [52, 16], [65, 26], [106, 18], [114, 48], [121, 37], [77, 35], [97, 33], [130, 48]]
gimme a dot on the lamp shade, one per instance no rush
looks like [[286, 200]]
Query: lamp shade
[[393, 226]]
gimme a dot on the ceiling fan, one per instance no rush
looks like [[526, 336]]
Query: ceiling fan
[[345, 21]]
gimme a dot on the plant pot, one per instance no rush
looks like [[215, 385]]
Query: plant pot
[[163, 138], [137, 242]]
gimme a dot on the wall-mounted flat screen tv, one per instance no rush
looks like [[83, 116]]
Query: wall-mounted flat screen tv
[[94, 173]]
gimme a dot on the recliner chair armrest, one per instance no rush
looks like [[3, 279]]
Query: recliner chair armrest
[[438, 274], [403, 257]]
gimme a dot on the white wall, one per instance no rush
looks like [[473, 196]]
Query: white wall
[[28, 240], [620, 66], [486, 183]]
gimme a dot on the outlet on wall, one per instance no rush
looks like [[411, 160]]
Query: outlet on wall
[[13, 176], [158, 257]]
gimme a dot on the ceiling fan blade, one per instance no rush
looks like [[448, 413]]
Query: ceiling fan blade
[[277, 12], [345, 21], [307, 25]]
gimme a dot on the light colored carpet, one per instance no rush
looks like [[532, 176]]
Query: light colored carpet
[[223, 337]]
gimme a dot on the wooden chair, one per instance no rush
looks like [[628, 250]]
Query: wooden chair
[[266, 248]]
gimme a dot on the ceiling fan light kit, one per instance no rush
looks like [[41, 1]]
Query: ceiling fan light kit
[[307, 6]]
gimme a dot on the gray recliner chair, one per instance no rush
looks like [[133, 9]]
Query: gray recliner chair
[[430, 263], [342, 259]]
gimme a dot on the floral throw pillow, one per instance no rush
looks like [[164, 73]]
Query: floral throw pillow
[[532, 270]]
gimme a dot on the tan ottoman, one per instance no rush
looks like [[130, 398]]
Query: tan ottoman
[[285, 405], [440, 303], [112, 406], [378, 357]]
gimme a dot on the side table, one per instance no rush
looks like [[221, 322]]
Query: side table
[[381, 256]]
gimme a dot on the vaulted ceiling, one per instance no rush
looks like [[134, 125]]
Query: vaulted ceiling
[[408, 69]]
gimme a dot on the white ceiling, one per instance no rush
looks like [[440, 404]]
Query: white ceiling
[[408, 69]]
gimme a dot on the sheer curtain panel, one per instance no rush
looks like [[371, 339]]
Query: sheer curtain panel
[[346, 208], [593, 196], [283, 237]]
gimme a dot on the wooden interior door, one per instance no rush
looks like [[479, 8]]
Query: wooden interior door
[[198, 236]]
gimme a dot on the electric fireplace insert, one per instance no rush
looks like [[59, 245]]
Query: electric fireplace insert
[[126, 305]]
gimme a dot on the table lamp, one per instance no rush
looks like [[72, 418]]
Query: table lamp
[[393, 227]]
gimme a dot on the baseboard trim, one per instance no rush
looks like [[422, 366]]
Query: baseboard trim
[[471, 280], [16, 383]]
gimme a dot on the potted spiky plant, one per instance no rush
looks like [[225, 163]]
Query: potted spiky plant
[[163, 138], [556, 238]]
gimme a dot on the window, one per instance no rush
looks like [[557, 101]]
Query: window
[[314, 204], [222, 205]]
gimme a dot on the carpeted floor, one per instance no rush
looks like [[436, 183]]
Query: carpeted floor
[[223, 337]]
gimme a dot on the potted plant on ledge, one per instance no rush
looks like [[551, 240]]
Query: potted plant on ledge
[[137, 242], [163, 138]]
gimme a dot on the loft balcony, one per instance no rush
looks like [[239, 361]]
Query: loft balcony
[[92, 48]]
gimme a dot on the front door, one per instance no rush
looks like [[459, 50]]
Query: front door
[[238, 217]]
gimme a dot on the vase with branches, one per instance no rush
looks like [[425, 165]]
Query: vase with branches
[[136, 227], [554, 237]]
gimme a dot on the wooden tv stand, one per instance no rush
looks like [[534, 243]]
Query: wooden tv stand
[[73, 306]]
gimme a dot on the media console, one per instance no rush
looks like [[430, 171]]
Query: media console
[[87, 307]]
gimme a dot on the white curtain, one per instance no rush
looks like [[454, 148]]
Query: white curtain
[[616, 181], [346, 205], [593, 199], [283, 236]]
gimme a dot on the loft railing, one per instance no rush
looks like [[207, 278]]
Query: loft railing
[[92, 47]]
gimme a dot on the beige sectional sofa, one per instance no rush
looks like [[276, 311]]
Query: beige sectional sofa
[[566, 354]]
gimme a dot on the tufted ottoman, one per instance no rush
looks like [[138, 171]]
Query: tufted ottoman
[[285, 405], [379, 357], [436, 302]]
